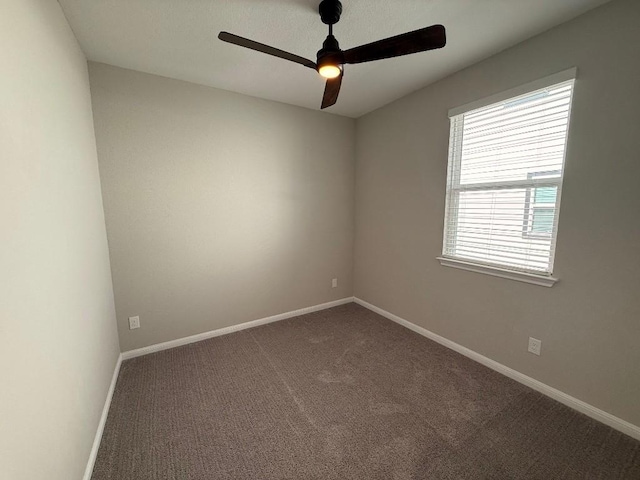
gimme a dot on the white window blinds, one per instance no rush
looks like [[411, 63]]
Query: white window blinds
[[504, 183]]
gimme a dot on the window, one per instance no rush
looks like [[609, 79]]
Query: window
[[506, 164]]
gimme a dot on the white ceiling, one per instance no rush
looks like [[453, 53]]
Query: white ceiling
[[178, 39]]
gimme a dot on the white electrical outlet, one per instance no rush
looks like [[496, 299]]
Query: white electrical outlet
[[134, 322], [334, 283], [535, 345]]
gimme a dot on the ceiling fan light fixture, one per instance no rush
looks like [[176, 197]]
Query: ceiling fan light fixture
[[331, 58], [330, 71]]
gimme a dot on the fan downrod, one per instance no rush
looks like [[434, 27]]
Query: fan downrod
[[330, 11]]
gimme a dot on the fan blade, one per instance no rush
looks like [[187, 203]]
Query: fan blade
[[331, 91], [260, 47], [421, 40]]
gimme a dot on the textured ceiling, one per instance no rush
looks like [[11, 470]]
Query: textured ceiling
[[178, 39]]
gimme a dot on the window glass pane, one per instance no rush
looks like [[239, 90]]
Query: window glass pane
[[542, 220], [545, 195], [489, 229], [515, 139]]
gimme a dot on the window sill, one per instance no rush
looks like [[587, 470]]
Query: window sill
[[541, 280]]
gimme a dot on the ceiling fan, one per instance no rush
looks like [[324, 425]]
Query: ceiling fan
[[330, 59]]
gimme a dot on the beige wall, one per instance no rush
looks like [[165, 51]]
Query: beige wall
[[220, 208], [589, 323], [59, 344]]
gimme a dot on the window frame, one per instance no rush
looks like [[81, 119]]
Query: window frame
[[451, 210]]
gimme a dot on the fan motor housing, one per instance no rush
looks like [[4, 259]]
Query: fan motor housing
[[330, 11], [330, 52]]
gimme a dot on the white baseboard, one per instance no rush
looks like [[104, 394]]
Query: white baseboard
[[103, 420], [582, 407], [234, 328]]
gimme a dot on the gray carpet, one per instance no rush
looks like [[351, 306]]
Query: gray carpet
[[342, 394]]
